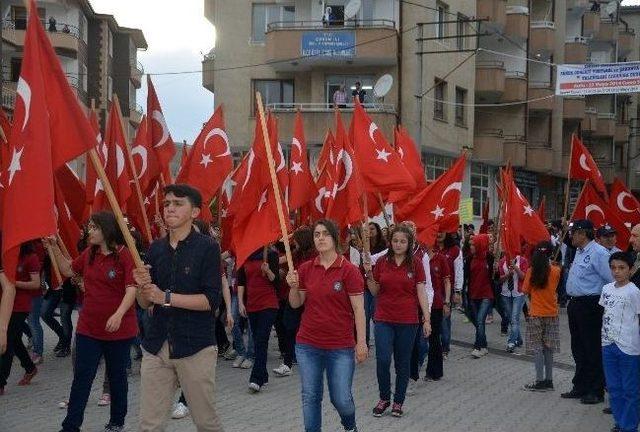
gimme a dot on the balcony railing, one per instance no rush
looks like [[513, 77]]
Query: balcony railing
[[314, 25], [328, 107], [21, 24]]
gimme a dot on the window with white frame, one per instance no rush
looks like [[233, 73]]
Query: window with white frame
[[109, 88], [460, 31], [274, 92], [436, 165], [461, 100], [110, 43], [263, 14], [479, 187]]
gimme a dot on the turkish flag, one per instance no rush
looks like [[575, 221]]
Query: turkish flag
[[346, 190], [91, 176], [435, 209], [210, 160], [302, 188], [159, 138], [583, 167], [282, 173], [50, 129], [410, 157], [484, 228], [116, 166], [5, 156], [255, 217], [510, 229], [381, 167], [323, 157], [542, 210], [73, 192], [592, 206], [533, 230], [68, 227], [624, 204], [145, 159]]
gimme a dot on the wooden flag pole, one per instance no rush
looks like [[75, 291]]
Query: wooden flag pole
[[366, 245], [113, 202], [274, 181], [136, 182]]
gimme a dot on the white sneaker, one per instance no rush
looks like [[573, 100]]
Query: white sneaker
[[254, 388], [246, 364], [180, 411], [282, 371], [476, 353], [63, 404], [237, 362], [484, 352]]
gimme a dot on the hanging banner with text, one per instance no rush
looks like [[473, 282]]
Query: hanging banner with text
[[588, 79], [337, 44]]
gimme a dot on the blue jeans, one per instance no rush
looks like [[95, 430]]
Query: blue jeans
[[49, 306], [243, 350], [394, 340], [446, 334], [340, 366], [36, 326], [88, 354], [480, 310], [369, 310], [623, 384], [513, 309], [261, 323]]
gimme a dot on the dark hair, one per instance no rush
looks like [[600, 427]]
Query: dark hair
[[622, 256], [304, 237], [380, 243], [202, 226], [111, 233], [540, 265], [333, 229], [27, 248], [411, 240], [184, 190], [450, 240]]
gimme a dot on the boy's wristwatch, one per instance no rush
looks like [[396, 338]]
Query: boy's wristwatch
[[167, 298]]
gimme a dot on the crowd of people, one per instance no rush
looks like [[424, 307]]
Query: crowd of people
[[347, 293]]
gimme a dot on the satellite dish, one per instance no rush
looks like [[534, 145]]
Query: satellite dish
[[383, 85], [352, 8]]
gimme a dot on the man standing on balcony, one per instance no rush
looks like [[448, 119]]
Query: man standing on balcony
[[359, 92], [340, 97]]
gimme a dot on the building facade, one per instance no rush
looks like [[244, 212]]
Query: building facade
[[476, 75]]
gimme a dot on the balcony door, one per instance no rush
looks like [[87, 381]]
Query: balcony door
[[333, 83]]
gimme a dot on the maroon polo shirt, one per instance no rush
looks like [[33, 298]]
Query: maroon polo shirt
[[328, 320], [397, 300]]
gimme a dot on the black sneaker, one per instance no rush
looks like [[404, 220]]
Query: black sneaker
[[548, 384], [110, 427], [379, 409], [61, 344], [536, 386], [573, 394], [63, 352], [607, 410]]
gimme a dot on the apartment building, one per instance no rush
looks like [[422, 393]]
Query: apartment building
[[98, 56], [499, 103], [515, 64]]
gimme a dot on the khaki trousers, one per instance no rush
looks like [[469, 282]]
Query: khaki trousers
[[160, 379]]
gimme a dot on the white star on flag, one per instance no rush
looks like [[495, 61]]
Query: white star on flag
[[15, 163], [383, 155], [528, 210], [206, 160], [297, 167], [438, 212]]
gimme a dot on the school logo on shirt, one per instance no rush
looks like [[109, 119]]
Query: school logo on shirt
[[187, 270], [410, 275], [337, 286], [587, 259], [20, 269], [111, 274]]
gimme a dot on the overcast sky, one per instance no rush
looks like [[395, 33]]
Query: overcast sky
[[177, 35]]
